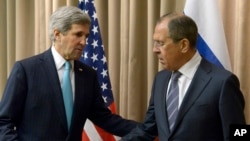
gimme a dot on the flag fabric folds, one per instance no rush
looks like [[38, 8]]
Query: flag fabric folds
[[94, 56], [211, 40]]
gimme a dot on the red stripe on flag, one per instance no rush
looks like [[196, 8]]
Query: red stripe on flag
[[105, 135], [112, 108], [85, 136]]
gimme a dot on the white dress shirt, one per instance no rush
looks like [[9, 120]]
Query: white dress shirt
[[59, 62], [187, 70]]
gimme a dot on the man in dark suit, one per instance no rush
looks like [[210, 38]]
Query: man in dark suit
[[209, 99], [32, 107]]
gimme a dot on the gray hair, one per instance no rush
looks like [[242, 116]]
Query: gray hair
[[64, 17], [181, 26]]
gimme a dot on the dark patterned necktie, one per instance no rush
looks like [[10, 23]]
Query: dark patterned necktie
[[173, 99]]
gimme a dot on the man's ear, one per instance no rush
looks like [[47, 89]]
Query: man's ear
[[184, 45], [57, 34]]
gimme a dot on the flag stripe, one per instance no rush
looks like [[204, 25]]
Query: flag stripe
[[92, 131], [112, 107], [85, 137], [211, 42], [206, 52], [104, 135]]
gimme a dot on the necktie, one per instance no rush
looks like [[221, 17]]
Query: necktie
[[67, 92], [173, 99]]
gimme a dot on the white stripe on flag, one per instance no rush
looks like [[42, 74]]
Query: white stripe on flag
[[207, 17], [117, 138], [91, 131]]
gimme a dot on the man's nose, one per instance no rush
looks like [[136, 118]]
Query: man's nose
[[156, 49], [83, 41]]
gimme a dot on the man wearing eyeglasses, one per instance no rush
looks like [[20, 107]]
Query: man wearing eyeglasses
[[202, 101]]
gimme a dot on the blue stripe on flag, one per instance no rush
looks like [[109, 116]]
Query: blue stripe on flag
[[206, 52]]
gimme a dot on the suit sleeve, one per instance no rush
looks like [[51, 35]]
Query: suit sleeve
[[148, 130], [231, 105], [12, 103], [104, 118]]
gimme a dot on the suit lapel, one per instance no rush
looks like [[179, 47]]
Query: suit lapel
[[52, 76], [81, 96], [199, 82], [79, 88], [163, 83]]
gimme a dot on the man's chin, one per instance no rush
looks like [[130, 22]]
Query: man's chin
[[77, 56], [162, 66]]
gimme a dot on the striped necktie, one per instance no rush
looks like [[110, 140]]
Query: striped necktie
[[173, 99]]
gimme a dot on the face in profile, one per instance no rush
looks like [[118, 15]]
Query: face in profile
[[168, 52], [71, 44]]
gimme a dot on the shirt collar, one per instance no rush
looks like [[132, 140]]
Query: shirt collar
[[191, 66], [59, 60]]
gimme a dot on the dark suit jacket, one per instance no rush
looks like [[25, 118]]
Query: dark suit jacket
[[212, 102], [32, 107]]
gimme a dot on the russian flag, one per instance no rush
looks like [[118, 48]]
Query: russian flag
[[211, 41]]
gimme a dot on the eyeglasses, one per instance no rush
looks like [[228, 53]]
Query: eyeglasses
[[158, 44]]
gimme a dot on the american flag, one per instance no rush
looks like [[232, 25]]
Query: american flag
[[94, 56]]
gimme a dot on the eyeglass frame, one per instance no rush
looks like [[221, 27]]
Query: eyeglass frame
[[159, 44]]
